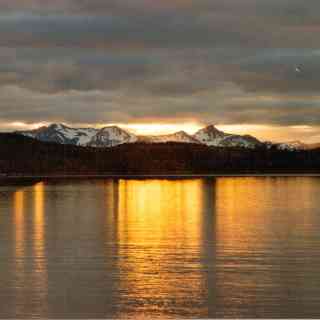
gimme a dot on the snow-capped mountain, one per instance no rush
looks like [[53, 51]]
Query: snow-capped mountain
[[110, 137], [245, 141], [60, 133], [180, 136], [211, 136], [293, 146]]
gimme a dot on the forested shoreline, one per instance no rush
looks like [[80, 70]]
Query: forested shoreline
[[26, 156]]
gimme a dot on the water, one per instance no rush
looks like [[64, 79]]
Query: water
[[224, 247]]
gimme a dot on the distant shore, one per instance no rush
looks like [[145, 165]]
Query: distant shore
[[155, 176], [23, 158]]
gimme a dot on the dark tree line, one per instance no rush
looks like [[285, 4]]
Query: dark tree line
[[25, 156]]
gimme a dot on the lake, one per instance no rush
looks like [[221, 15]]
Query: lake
[[218, 247]]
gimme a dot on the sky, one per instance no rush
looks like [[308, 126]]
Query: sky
[[247, 66]]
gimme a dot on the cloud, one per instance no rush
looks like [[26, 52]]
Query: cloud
[[93, 107], [228, 62]]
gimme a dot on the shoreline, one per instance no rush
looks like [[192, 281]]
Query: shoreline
[[152, 176]]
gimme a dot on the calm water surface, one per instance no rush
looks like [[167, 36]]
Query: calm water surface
[[224, 247]]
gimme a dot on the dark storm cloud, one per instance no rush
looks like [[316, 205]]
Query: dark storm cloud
[[54, 70], [145, 31], [231, 61], [283, 8]]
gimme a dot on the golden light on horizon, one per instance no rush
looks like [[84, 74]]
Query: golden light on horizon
[[264, 132], [161, 128]]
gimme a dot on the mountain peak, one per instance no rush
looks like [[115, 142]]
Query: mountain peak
[[210, 131], [113, 135], [293, 145], [210, 135], [112, 127], [180, 136], [181, 133], [210, 128], [57, 126]]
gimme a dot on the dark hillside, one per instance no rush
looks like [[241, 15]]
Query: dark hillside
[[25, 156]]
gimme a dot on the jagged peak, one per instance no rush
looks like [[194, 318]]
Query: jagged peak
[[181, 133], [57, 126], [111, 127], [209, 129], [114, 128], [42, 128], [112, 134], [296, 144], [62, 126]]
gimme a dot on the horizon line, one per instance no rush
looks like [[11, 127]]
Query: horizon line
[[161, 129]]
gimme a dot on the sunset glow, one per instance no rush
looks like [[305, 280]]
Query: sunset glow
[[161, 128], [264, 132], [159, 159]]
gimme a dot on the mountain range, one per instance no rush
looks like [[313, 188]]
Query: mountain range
[[111, 136]]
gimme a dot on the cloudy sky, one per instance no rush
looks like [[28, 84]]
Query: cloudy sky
[[248, 66]]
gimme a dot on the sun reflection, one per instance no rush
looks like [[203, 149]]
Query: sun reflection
[[154, 218], [259, 222], [39, 219], [249, 199], [40, 271], [19, 232], [159, 206], [19, 224], [239, 212]]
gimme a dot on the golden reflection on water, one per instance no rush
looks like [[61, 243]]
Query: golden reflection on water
[[40, 263], [238, 212], [248, 209], [163, 207], [155, 219], [39, 223], [19, 232], [19, 225], [259, 222], [185, 248], [111, 188]]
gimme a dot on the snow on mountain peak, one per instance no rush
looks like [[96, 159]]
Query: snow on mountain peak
[[180, 136], [211, 136], [292, 146], [112, 135], [210, 128], [60, 133]]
